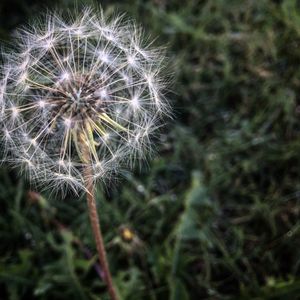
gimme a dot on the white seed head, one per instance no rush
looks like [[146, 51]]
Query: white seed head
[[79, 93]]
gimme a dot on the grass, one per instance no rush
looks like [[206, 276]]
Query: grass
[[216, 213]]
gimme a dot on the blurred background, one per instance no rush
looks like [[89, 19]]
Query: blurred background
[[216, 214]]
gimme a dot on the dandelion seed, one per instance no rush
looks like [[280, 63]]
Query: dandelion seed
[[68, 122], [61, 163], [65, 76], [103, 56], [135, 102], [102, 93], [33, 142], [47, 44], [131, 60], [23, 77], [7, 134], [42, 103], [15, 112]]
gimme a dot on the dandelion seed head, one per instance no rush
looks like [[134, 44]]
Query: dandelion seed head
[[84, 93]]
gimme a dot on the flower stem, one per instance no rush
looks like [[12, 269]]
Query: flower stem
[[95, 223]]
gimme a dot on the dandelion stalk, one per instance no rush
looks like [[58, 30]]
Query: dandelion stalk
[[96, 227]]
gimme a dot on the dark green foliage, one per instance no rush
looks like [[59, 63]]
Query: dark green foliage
[[216, 214]]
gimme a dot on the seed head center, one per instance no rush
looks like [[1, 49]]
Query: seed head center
[[80, 100]]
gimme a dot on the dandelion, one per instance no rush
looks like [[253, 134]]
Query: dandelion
[[79, 100]]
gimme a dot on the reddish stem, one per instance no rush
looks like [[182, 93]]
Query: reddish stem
[[95, 223]]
